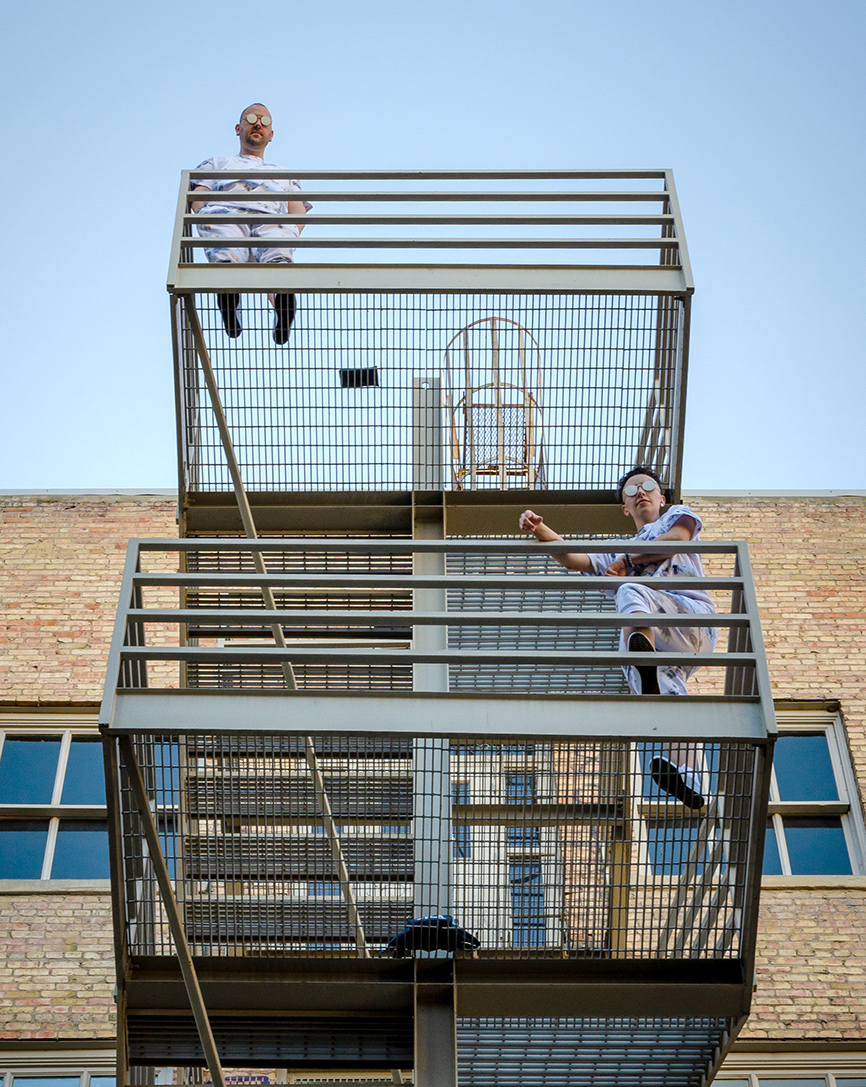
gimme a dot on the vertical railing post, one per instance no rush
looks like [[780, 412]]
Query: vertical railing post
[[432, 765]]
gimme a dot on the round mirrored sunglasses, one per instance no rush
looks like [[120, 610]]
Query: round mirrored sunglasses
[[251, 118], [632, 488]]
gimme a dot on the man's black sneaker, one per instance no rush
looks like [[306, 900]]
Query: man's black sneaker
[[649, 677], [228, 307], [284, 305], [677, 782]]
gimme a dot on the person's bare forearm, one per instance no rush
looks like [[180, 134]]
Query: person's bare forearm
[[571, 560], [298, 207], [196, 204], [677, 533]]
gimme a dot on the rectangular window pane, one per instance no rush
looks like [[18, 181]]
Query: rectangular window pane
[[47, 1081], [527, 904], [850, 1082], [803, 767], [772, 860], [461, 834], [817, 847], [84, 781], [520, 789], [22, 848], [669, 846], [102, 1081], [793, 1082], [27, 771], [81, 851]]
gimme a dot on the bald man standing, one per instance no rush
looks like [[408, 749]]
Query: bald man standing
[[255, 131]]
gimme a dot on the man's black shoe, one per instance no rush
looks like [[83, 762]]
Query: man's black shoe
[[677, 783], [649, 677], [228, 306], [284, 304]]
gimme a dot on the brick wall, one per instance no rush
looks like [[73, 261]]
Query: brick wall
[[61, 561], [807, 560], [57, 966]]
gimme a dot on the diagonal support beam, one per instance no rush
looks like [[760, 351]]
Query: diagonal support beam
[[190, 978], [310, 755]]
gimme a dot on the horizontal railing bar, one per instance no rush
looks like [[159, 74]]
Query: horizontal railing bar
[[274, 654], [405, 545], [515, 582], [359, 617], [327, 195], [654, 174], [441, 243], [312, 219], [550, 814]]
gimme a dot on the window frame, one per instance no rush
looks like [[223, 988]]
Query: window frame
[[67, 729], [847, 807]]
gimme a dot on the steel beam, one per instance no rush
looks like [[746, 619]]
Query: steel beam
[[435, 1024], [588, 717], [424, 278]]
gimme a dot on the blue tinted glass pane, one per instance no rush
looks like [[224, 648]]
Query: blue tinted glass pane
[[669, 847], [81, 851], [102, 1081], [793, 1082], [27, 771], [803, 767], [84, 782], [527, 904], [772, 860], [817, 846], [461, 834], [47, 1081], [22, 849], [850, 1082]]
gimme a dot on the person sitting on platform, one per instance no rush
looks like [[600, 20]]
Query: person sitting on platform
[[640, 491], [255, 131]]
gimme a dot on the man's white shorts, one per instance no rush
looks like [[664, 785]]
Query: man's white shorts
[[221, 255]]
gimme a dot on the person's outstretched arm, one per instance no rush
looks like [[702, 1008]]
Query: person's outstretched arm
[[571, 560]]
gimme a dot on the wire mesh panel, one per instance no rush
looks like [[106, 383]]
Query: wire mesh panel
[[402, 391], [490, 849], [588, 1052]]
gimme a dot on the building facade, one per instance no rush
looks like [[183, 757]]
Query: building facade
[[62, 559]]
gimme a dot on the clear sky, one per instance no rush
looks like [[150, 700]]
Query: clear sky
[[757, 105]]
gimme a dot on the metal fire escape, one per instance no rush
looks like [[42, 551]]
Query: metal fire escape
[[381, 805]]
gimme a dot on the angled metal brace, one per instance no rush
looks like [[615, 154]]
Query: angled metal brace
[[310, 755], [190, 978]]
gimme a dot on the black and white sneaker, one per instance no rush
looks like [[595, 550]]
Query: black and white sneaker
[[680, 782]]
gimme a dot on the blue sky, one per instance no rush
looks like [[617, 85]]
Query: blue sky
[[757, 106]]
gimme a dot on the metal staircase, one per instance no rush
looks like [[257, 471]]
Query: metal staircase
[[342, 702]]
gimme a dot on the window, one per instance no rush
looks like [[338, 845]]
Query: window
[[520, 789], [46, 1070], [527, 904], [52, 809], [461, 833], [814, 826]]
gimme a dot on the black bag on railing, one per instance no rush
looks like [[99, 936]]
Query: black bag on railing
[[438, 933]]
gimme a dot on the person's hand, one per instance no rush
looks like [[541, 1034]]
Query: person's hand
[[616, 569], [530, 521]]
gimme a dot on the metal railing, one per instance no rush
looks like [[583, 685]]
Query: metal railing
[[616, 218], [401, 375], [534, 822]]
